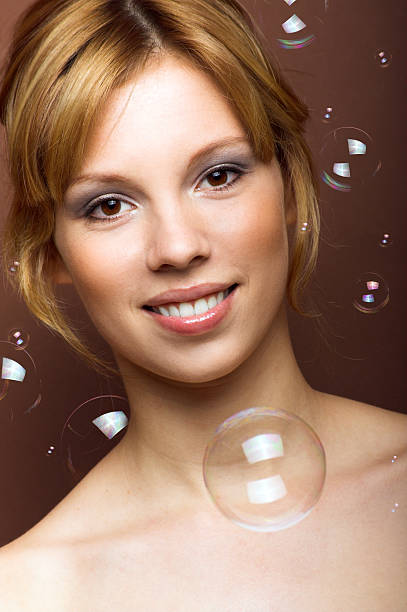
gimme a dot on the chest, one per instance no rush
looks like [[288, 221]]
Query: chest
[[353, 562]]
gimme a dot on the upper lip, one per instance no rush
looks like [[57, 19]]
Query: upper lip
[[186, 295]]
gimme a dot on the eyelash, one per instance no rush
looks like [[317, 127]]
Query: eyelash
[[88, 214]]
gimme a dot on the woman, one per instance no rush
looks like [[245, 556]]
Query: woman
[[159, 166]]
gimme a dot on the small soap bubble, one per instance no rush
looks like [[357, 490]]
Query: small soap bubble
[[349, 158], [305, 227], [264, 469], [89, 431], [293, 24], [327, 114], [19, 338], [386, 240], [395, 507], [383, 58], [394, 459], [13, 267], [371, 293], [51, 450]]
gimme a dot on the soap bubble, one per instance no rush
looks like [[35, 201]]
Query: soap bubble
[[386, 240], [13, 267], [371, 293], [88, 430], [383, 58], [20, 385], [19, 338], [349, 158], [294, 24], [305, 227], [264, 469], [327, 114]]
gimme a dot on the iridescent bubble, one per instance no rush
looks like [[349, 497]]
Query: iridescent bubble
[[371, 293], [395, 507], [383, 58], [19, 338], [89, 430], [386, 240], [294, 24], [264, 469], [13, 267], [394, 459], [20, 385], [327, 114], [349, 158], [305, 227]]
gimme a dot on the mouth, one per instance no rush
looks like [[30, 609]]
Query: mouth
[[194, 308]]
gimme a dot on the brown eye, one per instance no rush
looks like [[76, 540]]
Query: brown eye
[[217, 178], [111, 207]]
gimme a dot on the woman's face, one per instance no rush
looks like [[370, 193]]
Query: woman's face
[[169, 198]]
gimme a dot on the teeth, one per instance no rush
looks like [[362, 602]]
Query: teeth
[[188, 309], [174, 312], [163, 311], [202, 306], [212, 301]]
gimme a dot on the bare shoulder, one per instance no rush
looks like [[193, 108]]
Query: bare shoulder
[[380, 432], [33, 577], [369, 449]]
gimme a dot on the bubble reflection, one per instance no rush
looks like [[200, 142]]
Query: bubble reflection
[[371, 293], [19, 338], [383, 58], [88, 431], [349, 158], [20, 385], [386, 240], [327, 114], [13, 267]]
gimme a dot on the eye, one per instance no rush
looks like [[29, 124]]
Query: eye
[[221, 179], [110, 208]]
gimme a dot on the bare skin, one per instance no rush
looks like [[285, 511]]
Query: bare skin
[[140, 532]]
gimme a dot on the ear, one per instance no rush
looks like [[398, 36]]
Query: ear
[[57, 270]]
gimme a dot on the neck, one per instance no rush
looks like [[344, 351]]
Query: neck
[[172, 422]]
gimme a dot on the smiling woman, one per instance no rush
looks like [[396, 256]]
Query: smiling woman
[[160, 166]]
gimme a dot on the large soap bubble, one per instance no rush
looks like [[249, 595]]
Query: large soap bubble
[[264, 469]]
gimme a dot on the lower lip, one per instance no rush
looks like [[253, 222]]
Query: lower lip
[[198, 324]]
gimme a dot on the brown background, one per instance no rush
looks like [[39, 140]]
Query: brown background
[[345, 352]]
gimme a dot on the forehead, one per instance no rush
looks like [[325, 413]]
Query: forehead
[[169, 108]]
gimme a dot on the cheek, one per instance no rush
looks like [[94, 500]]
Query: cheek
[[101, 268], [258, 229]]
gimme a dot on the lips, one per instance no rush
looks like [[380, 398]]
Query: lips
[[198, 323]]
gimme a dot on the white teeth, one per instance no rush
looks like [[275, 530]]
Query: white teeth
[[163, 311], [174, 312], [186, 309], [202, 306], [212, 301]]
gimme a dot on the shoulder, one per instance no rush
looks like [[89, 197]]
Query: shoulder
[[363, 435], [33, 578]]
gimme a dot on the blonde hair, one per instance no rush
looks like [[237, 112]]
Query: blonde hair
[[69, 55]]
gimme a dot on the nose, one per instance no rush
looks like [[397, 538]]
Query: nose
[[177, 238]]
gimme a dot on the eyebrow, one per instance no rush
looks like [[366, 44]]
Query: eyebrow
[[208, 149]]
